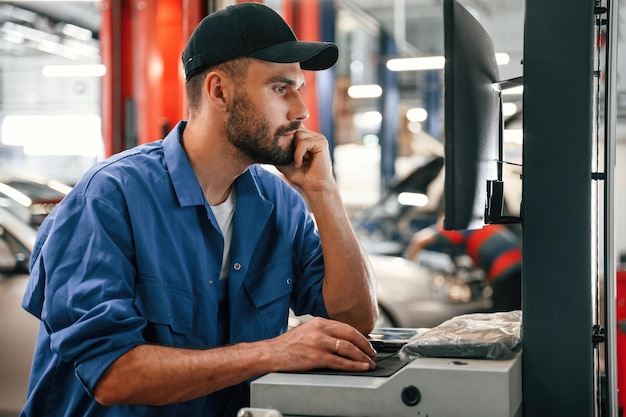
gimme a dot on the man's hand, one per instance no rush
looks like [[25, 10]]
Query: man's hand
[[311, 169], [322, 343]]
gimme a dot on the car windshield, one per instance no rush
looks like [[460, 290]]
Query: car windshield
[[36, 191], [405, 207], [31, 199]]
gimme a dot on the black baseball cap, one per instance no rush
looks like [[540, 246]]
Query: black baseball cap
[[254, 30]]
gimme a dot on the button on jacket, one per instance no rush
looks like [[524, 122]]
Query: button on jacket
[[133, 255]]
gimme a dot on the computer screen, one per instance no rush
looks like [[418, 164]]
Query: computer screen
[[472, 117]]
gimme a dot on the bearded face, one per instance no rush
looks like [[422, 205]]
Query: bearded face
[[250, 132]]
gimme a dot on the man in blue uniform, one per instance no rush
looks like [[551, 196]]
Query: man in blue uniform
[[164, 279]]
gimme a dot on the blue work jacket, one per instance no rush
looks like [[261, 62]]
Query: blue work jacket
[[133, 255]]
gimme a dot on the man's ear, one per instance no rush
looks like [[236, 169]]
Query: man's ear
[[218, 88]]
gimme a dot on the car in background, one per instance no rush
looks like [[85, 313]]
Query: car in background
[[437, 286], [17, 327], [426, 292], [423, 293], [405, 207], [31, 198], [414, 202]]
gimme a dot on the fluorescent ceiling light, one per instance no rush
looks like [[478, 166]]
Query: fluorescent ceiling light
[[502, 58], [416, 64], [416, 114], [509, 109], [19, 13], [77, 32], [369, 120], [514, 136], [414, 127], [413, 199], [365, 91], [97, 70], [431, 62], [517, 91]]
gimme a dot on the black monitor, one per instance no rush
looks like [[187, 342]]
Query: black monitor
[[473, 121]]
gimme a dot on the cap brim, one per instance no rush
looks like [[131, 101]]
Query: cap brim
[[312, 56]]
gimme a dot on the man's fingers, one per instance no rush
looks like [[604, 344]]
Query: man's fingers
[[348, 351]]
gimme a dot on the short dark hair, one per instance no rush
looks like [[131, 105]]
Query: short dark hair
[[236, 68]]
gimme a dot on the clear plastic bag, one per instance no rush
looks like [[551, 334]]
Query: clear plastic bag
[[475, 336]]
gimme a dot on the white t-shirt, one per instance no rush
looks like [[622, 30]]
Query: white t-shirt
[[224, 214]]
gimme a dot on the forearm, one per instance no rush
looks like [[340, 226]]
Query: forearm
[[349, 283], [349, 287], [157, 375]]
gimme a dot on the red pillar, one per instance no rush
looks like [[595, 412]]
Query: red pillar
[[143, 89], [116, 83], [193, 12], [304, 18], [621, 338], [147, 70]]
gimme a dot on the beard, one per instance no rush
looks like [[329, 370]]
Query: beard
[[250, 132]]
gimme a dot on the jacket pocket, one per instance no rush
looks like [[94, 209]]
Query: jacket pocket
[[270, 290], [164, 305]]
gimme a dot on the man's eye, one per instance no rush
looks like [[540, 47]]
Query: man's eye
[[280, 88]]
